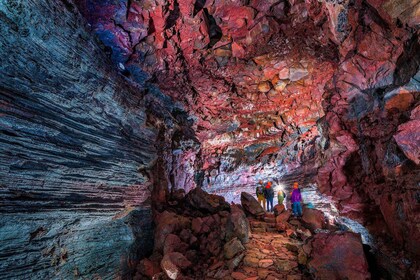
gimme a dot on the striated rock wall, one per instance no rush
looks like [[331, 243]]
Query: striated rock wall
[[74, 144]]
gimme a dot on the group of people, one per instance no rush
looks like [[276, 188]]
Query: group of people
[[265, 195]]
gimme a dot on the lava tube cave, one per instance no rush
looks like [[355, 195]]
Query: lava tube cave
[[210, 139]]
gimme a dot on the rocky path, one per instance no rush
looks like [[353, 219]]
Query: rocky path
[[203, 237], [269, 255]]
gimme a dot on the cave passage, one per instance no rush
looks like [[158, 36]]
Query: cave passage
[[134, 134]]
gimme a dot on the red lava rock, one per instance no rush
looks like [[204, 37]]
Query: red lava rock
[[147, 268], [284, 216], [314, 219], [237, 225], [408, 139], [251, 205], [167, 223], [265, 263], [206, 202], [338, 255], [232, 248], [174, 244], [238, 275], [278, 209]]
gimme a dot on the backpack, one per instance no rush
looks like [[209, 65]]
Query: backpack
[[281, 193]]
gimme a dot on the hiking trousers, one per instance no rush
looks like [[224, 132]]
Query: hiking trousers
[[261, 198], [297, 209], [270, 202]]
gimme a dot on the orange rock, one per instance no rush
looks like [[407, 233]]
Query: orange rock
[[264, 86]]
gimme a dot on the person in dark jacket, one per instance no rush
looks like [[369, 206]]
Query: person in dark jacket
[[296, 199], [259, 192], [269, 196]]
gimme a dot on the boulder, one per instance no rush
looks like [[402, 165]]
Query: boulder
[[251, 205], [408, 139], [278, 209], [237, 225], [313, 219], [338, 256], [283, 217], [205, 202], [173, 263], [174, 244], [167, 223], [232, 248]]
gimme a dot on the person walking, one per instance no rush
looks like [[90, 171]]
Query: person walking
[[259, 191], [296, 199], [269, 196]]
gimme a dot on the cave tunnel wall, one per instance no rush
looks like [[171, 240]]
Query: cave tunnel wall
[[73, 138]]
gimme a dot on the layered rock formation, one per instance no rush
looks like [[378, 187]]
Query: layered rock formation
[[216, 94], [77, 144]]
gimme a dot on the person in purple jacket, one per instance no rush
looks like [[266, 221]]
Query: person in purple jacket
[[296, 199]]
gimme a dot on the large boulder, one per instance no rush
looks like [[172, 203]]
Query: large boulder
[[237, 225], [205, 202], [313, 219], [251, 205], [338, 256]]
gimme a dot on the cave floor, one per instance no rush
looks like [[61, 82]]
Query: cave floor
[[269, 255]]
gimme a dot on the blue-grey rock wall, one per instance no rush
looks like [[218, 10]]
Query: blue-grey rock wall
[[73, 137]]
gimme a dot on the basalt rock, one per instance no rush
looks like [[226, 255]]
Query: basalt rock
[[205, 202], [314, 219], [251, 205], [338, 256]]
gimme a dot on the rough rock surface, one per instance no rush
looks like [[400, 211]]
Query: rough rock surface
[[338, 256], [77, 144], [251, 205]]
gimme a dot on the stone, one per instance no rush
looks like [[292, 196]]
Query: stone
[[278, 209], [283, 217], [170, 269], [338, 255], [251, 205], [251, 261], [314, 219], [147, 268], [232, 248], [235, 262], [174, 244], [264, 86], [167, 223], [237, 225], [297, 73], [285, 265], [408, 139], [265, 263], [210, 203], [238, 275]]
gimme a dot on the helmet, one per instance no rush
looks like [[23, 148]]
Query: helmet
[[295, 185]]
